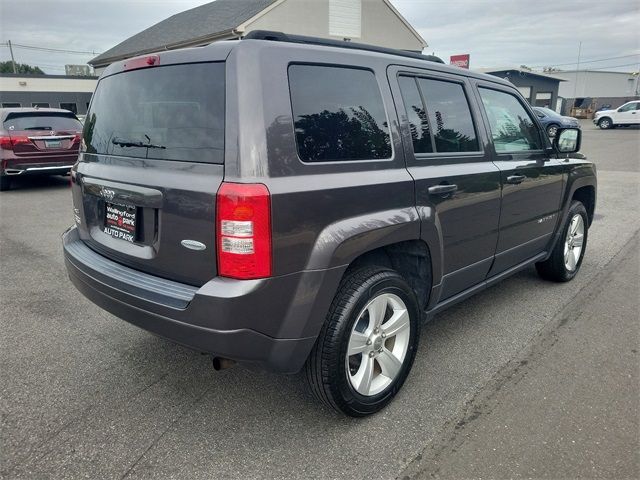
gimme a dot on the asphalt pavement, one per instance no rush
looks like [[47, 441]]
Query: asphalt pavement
[[86, 395], [568, 407]]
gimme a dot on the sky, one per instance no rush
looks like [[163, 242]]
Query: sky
[[496, 33]]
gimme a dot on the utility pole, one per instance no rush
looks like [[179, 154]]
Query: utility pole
[[13, 60], [575, 87]]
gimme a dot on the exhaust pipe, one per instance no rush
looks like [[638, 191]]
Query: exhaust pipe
[[220, 363]]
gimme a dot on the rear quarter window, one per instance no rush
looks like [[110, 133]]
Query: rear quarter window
[[173, 112], [338, 114]]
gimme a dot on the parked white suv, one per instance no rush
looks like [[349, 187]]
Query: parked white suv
[[627, 114]]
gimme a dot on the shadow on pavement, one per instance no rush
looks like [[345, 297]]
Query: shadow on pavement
[[19, 183]]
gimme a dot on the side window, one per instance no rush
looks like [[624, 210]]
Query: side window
[[418, 122], [338, 114], [449, 116], [629, 107], [512, 128]]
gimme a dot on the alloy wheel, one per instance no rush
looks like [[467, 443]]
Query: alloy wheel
[[378, 344], [573, 243]]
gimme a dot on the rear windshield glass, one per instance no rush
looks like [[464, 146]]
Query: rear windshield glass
[[169, 113], [41, 121]]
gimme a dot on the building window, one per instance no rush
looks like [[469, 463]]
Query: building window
[[11, 105], [543, 99], [40, 104], [338, 114], [72, 107]]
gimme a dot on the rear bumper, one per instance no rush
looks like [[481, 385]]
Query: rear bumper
[[271, 323], [38, 166], [48, 170]]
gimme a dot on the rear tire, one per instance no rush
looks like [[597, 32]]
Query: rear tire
[[567, 254], [5, 183], [367, 345], [552, 130]]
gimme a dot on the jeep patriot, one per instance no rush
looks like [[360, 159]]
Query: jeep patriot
[[304, 204]]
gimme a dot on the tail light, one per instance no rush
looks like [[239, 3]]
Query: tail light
[[7, 143], [243, 228]]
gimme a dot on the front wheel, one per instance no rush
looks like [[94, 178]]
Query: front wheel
[[605, 123], [552, 130], [367, 345], [567, 255]]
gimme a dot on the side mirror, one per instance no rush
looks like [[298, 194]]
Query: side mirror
[[567, 140]]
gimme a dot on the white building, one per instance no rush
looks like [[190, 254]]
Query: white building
[[595, 88], [55, 91], [375, 22]]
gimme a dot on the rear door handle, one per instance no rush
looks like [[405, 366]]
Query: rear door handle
[[442, 190], [515, 179]]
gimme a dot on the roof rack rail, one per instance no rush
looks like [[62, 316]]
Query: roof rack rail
[[285, 37]]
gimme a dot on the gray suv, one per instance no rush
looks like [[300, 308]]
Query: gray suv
[[303, 204]]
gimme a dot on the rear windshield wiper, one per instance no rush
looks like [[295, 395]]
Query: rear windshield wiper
[[123, 142]]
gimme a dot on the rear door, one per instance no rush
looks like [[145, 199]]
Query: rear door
[[457, 185], [43, 135], [145, 186], [532, 181]]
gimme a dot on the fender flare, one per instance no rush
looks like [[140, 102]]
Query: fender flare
[[578, 178], [340, 243]]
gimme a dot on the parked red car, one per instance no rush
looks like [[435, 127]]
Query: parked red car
[[37, 141]]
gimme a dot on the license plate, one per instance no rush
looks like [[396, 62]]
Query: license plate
[[52, 143], [120, 222]]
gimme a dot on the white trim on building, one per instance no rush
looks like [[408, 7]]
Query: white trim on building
[[54, 83]]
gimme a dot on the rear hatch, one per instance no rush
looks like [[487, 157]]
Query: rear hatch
[[145, 186], [40, 136]]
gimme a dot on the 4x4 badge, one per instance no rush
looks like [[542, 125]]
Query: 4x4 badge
[[193, 245]]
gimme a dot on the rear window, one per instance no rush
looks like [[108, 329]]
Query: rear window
[[41, 121], [416, 114], [449, 115], [168, 113], [338, 114]]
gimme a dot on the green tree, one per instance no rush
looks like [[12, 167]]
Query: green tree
[[23, 68]]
